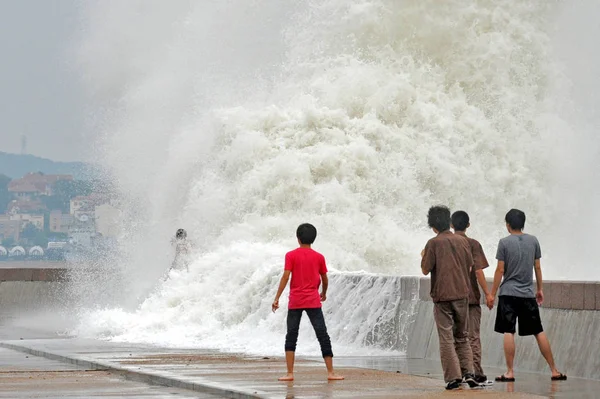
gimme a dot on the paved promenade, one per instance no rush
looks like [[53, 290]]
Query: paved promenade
[[27, 376], [237, 376]]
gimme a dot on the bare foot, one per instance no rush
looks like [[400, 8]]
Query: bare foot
[[334, 377], [287, 377]]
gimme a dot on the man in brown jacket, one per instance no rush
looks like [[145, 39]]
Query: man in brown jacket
[[448, 258]]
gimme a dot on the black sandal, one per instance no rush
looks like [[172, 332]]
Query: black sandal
[[560, 377], [503, 378]]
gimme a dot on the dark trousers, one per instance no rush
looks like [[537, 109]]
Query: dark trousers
[[317, 320], [452, 321], [474, 337]]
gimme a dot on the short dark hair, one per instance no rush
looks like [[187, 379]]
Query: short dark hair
[[306, 233], [515, 219], [438, 218], [460, 220]]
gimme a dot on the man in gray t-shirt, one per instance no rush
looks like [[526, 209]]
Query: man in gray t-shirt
[[518, 257], [519, 253]]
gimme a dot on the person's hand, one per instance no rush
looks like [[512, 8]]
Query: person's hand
[[323, 297], [489, 299], [275, 305], [422, 253], [539, 297]]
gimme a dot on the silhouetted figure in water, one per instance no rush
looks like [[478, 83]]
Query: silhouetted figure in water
[[182, 251]]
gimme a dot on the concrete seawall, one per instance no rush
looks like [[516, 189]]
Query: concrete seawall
[[570, 315], [25, 289], [398, 315]]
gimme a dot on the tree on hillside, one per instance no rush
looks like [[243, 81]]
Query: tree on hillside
[[29, 231], [4, 180], [64, 190], [34, 236], [54, 202], [40, 239], [54, 236], [8, 242], [72, 188], [5, 196]]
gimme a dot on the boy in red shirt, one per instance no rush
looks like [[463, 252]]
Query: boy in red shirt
[[307, 268]]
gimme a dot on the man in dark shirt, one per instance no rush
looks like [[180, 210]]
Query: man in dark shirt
[[460, 224], [448, 258]]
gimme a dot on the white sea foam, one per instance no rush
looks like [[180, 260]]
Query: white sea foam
[[239, 121]]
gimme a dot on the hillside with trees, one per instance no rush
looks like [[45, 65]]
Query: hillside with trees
[[15, 165]]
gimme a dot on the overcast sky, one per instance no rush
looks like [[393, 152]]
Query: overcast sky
[[40, 95]]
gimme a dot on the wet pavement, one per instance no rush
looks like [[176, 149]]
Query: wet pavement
[[97, 369], [251, 376], [27, 376], [532, 383]]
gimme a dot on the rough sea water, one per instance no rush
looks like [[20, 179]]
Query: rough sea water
[[239, 120]]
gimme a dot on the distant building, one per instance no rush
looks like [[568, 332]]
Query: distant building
[[57, 245], [86, 205], [82, 230], [82, 236], [25, 218], [107, 220], [17, 252], [60, 222], [9, 228], [25, 190], [25, 205], [33, 185], [36, 251]]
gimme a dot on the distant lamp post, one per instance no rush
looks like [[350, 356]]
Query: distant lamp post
[[23, 145]]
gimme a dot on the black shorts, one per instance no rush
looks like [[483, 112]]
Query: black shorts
[[511, 308]]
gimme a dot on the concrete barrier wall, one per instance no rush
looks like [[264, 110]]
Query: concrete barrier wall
[[33, 274], [29, 289], [575, 295], [570, 316], [32, 264], [404, 322]]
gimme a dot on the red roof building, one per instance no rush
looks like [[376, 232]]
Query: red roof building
[[35, 184]]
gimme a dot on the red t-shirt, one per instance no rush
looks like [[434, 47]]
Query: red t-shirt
[[306, 266]]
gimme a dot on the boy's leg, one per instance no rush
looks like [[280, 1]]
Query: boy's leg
[[544, 345], [509, 354], [291, 338], [530, 323], [506, 320], [444, 320], [474, 338], [461, 335], [318, 322]]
